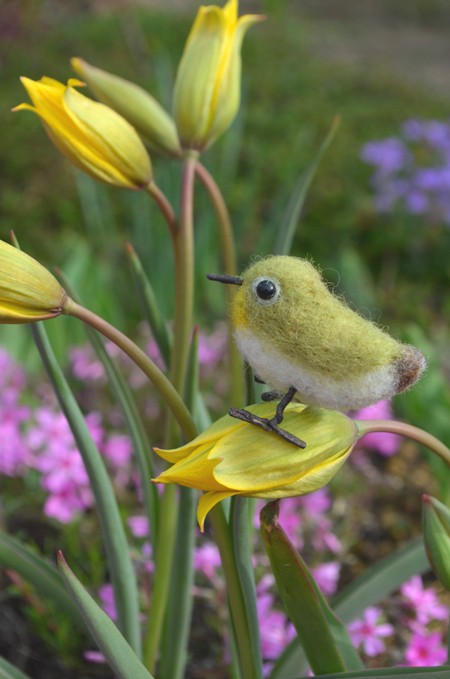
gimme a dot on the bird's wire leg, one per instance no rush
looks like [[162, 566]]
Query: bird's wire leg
[[271, 425]]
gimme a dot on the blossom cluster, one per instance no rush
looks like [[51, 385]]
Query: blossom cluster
[[412, 170]]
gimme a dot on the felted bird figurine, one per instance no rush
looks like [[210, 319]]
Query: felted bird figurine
[[307, 344]]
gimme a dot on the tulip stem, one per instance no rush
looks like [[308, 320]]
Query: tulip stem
[[228, 247], [408, 430], [155, 375], [166, 209], [241, 625], [183, 243]]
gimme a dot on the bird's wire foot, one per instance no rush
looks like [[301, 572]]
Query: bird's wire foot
[[271, 425]]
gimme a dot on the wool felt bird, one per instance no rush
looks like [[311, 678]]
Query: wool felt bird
[[307, 344]]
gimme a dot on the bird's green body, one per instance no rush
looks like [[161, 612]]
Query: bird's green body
[[299, 334]]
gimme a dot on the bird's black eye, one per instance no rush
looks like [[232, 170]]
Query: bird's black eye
[[267, 290]]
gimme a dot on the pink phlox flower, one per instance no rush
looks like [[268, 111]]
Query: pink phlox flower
[[147, 555], [265, 584], [14, 455], [212, 348], [138, 526], [51, 432], [106, 596], [11, 375], [94, 656], [425, 650], [316, 503], [85, 366], [323, 537], [207, 559], [275, 629], [382, 442], [118, 450], [326, 576], [423, 601], [368, 632], [291, 520], [67, 503]]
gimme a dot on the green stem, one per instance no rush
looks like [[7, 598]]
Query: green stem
[[228, 249], [408, 430], [155, 375], [183, 243], [250, 667], [164, 206]]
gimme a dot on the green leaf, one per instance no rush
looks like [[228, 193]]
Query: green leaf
[[288, 226], [8, 671], [141, 447], [301, 598], [113, 645], [149, 305], [368, 589], [116, 545], [442, 672], [38, 572]]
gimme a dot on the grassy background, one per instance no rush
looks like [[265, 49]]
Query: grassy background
[[305, 64]]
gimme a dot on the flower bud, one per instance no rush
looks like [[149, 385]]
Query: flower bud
[[136, 105], [208, 82], [28, 292], [91, 135], [436, 532], [235, 458]]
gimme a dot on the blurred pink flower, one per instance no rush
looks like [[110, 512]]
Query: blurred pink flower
[[383, 443], [326, 576], [138, 526], [368, 632], [275, 629], [423, 601], [85, 365], [207, 559], [425, 650], [118, 450], [106, 595]]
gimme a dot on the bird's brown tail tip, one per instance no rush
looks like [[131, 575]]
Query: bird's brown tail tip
[[409, 368]]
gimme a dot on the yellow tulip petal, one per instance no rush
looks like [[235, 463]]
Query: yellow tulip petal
[[92, 136], [206, 502], [252, 460], [194, 471], [28, 292]]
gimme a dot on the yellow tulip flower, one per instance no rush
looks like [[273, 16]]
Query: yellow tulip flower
[[234, 458], [28, 292], [136, 105], [208, 82], [91, 135]]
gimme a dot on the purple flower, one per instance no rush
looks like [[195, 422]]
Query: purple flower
[[368, 632], [423, 601], [106, 595], [207, 560], [85, 366], [275, 629], [138, 526], [425, 649], [383, 443], [326, 576]]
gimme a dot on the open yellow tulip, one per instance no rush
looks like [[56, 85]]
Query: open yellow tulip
[[208, 82], [233, 458], [91, 135], [28, 292]]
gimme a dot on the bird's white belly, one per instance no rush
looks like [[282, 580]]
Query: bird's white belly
[[315, 388]]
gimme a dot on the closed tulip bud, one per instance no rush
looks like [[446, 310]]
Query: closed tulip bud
[[233, 458], [136, 105], [28, 292], [436, 531], [91, 135], [208, 82]]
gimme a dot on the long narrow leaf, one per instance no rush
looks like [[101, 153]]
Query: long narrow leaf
[[368, 589], [113, 645], [117, 551], [133, 422], [289, 224], [42, 575], [149, 304], [8, 671], [300, 597], [442, 672]]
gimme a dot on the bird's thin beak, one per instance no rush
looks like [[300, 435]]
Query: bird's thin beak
[[224, 278]]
